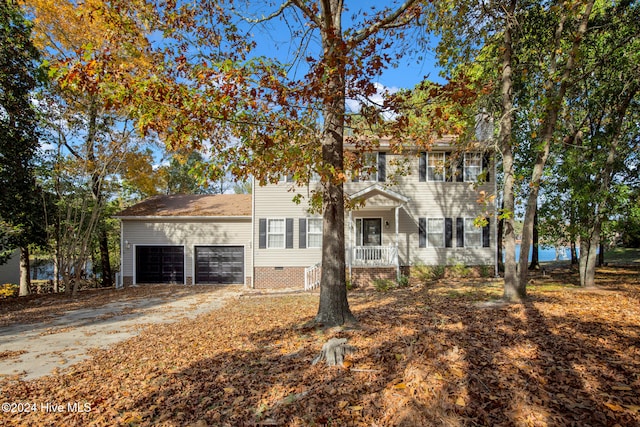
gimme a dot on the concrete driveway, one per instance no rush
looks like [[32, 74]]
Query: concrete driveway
[[37, 349]]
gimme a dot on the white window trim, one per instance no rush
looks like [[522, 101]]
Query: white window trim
[[444, 167], [429, 233], [470, 229], [468, 167], [314, 233], [373, 177], [283, 233]]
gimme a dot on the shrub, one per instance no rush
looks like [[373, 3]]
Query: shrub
[[382, 285], [403, 281], [350, 285], [9, 290], [460, 270], [486, 271], [427, 273]]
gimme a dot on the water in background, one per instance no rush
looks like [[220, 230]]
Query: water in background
[[546, 254]]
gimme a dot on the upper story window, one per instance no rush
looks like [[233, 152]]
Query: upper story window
[[275, 233], [436, 166], [373, 169], [472, 166], [286, 178]]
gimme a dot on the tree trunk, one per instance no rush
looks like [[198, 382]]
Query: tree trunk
[[535, 255], [25, 273], [554, 103], [107, 280], [512, 289], [500, 233], [601, 255], [574, 254], [334, 308], [588, 258]]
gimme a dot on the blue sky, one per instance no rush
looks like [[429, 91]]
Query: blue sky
[[274, 38]]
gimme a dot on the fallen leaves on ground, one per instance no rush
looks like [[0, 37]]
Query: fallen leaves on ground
[[443, 354]]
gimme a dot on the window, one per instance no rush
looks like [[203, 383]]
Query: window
[[472, 234], [472, 166], [435, 166], [314, 233], [435, 232], [275, 233], [369, 165]]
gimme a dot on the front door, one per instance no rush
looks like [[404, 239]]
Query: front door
[[368, 233]]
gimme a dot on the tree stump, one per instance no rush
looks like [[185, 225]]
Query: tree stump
[[333, 351]]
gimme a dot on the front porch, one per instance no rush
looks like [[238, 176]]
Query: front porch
[[366, 246], [372, 256]]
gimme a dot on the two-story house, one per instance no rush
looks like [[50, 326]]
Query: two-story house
[[421, 210], [416, 208]]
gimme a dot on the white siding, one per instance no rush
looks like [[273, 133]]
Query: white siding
[[276, 201], [187, 233], [427, 200]]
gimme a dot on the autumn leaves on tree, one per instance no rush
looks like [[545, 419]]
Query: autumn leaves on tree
[[192, 75]]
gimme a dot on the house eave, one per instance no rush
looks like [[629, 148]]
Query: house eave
[[182, 217]]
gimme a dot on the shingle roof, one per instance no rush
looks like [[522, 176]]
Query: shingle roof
[[191, 205]]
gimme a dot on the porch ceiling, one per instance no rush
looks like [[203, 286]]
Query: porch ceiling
[[377, 197]]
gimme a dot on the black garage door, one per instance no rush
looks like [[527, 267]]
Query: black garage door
[[160, 264], [220, 264]]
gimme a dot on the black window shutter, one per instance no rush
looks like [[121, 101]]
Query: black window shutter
[[460, 168], [289, 233], [302, 233], [486, 234], [460, 232], [486, 161], [448, 172], [448, 232], [262, 233], [422, 232], [382, 166], [422, 167]]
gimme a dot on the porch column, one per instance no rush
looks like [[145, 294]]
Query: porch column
[[397, 243]]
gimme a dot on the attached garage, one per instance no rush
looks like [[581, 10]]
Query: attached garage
[[220, 265], [187, 239], [160, 264]]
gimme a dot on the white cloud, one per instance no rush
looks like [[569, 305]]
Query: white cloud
[[354, 105]]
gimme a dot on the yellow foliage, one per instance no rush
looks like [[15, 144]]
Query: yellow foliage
[[9, 290]]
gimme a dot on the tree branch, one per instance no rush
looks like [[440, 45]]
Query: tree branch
[[278, 12], [390, 21]]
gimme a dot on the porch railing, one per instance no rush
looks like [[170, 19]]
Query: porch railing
[[372, 256], [312, 277]]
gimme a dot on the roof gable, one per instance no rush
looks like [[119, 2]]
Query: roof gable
[[189, 205]]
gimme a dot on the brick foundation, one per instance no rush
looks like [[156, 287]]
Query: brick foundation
[[362, 277], [278, 277]]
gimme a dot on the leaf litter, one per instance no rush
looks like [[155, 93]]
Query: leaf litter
[[432, 354]]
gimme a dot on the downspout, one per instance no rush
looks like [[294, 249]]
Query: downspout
[[397, 244], [120, 279], [253, 233], [495, 221], [353, 243]]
